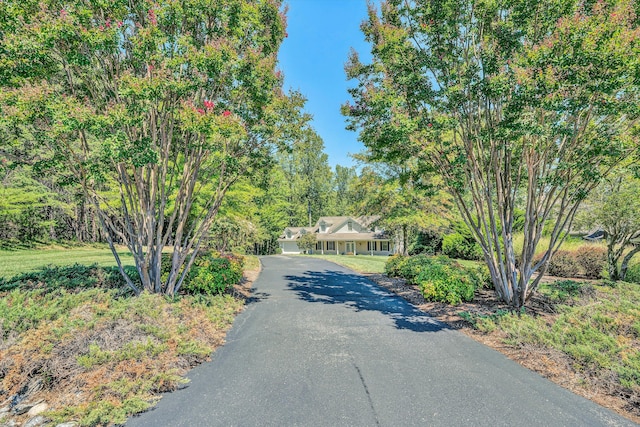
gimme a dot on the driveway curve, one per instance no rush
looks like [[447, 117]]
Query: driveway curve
[[320, 345]]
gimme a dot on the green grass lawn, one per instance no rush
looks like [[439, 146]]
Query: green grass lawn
[[359, 263], [20, 261]]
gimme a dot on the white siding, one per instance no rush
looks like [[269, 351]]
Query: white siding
[[290, 248], [355, 227]]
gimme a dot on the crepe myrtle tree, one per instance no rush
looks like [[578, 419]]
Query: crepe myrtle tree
[[155, 108], [614, 207], [516, 104]]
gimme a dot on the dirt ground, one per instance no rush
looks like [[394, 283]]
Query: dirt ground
[[552, 364]]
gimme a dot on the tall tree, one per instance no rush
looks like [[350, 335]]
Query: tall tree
[[344, 179], [512, 102], [308, 177], [273, 211], [162, 100]]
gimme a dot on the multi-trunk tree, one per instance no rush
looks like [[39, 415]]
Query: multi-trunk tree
[[614, 208], [162, 104], [516, 104]]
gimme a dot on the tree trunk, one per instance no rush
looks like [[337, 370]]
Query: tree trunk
[[405, 250], [625, 262]]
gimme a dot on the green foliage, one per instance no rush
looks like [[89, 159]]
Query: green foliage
[[614, 207], [165, 104], [346, 197], [307, 176], [633, 274], [484, 322], [69, 277], [476, 92], [23, 310], [404, 196], [428, 242], [307, 242], [447, 282], [393, 265], [563, 291], [409, 268], [459, 246], [213, 274], [416, 265], [482, 276], [440, 278]]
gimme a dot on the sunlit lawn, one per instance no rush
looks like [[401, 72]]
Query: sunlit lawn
[[20, 261], [359, 263]]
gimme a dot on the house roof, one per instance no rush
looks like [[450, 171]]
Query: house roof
[[335, 222], [296, 232], [350, 237]]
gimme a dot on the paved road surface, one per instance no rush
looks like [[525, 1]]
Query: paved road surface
[[322, 346]]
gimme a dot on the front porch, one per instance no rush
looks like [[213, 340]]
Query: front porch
[[354, 247]]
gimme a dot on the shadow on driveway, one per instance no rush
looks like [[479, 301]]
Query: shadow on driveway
[[355, 291]]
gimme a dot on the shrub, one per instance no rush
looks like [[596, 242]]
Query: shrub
[[481, 276], [213, 274], [393, 265], [633, 274], [592, 259], [446, 282], [411, 268], [427, 242], [564, 290], [563, 264], [440, 278], [74, 276], [459, 246]]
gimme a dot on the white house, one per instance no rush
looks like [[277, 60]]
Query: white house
[[341, 235]]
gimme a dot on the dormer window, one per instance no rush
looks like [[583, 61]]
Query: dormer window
[[303, 232], [323, 227], [288, 234], [350, 226]]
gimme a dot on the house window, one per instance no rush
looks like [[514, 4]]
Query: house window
[[384, 246], [319, 246], [372, 246], [331, 246], [350, 226], [288, 234], [323, 227]]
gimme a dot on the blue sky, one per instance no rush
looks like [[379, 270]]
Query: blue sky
[[312, 58]]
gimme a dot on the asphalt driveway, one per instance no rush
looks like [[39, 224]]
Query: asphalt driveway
[[320, 345]]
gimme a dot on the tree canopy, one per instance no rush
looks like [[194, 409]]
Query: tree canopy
[[167, 103], [515, 104]]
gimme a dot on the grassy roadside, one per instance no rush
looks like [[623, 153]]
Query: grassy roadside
[[359, 263], [596, 325], [95, 355]]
